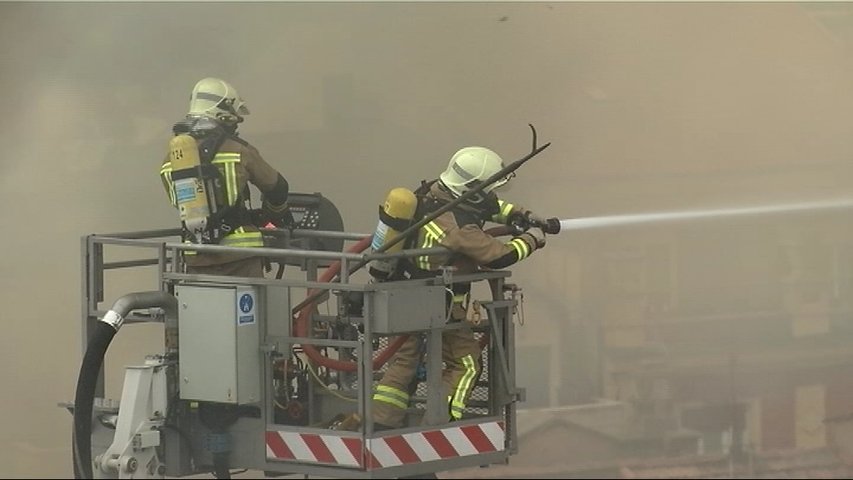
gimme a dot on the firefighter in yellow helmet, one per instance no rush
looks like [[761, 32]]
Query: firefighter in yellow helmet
[[470, 248], [206, 175]]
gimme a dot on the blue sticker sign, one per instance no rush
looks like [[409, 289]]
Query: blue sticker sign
[[246, 304]]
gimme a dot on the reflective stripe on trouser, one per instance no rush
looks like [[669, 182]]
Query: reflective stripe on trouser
[[461, 354], [464, 388], [391, 397]]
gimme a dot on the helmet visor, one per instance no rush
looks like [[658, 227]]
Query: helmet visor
[[235, 105], [241, 107], [501, 182]]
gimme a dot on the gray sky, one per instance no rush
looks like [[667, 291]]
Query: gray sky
[[648, 107]]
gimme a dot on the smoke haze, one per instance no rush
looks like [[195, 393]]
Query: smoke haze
[[649, 107]]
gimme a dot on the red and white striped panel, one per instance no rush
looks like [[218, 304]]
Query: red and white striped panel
[[387, 451], [445, 443], [309, 447]]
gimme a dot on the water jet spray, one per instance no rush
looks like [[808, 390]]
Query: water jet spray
[[720, 213]]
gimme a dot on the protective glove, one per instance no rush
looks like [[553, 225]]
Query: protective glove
[[278, 216], [518, 223], [537, 235]]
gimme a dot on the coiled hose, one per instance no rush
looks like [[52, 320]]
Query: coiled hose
[[303, 318]]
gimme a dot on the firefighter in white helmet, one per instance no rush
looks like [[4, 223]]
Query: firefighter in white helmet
[[470, 248], [225, 165]]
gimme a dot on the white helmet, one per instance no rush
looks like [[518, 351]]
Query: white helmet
[[215, 98], [471, 166]]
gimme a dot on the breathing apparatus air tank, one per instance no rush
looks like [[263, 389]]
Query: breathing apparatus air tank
[[194, 187], [395, 215]]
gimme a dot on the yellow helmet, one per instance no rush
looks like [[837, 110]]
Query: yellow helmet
[[471, 166], [215, 98]]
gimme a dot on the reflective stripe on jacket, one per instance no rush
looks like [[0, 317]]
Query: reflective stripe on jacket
[[475, 245], [239, 164], [226, 162]]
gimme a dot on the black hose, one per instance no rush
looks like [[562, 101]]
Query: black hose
[[218, 417], [84, 399], [221, 467], [87, 381], [75, 459]]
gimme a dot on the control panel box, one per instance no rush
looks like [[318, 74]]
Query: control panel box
[[218, 338], [402, 310]]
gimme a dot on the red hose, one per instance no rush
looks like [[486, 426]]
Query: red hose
[[303, 318]]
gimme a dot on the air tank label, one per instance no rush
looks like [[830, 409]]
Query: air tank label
[[246, 309], [379, 236], [185, 190]]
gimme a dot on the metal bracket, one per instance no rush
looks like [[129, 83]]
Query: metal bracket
[[513, 393]]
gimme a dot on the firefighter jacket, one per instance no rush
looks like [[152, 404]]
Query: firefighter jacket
[[239, 164], [461, 231]]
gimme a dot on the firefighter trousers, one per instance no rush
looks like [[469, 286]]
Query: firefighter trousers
[[461, 355]]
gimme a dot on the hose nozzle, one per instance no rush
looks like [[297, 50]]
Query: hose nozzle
[[520, 223], [551, 226]]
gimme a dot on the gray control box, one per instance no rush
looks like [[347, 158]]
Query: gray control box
[[218, 337], [401, 310]]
